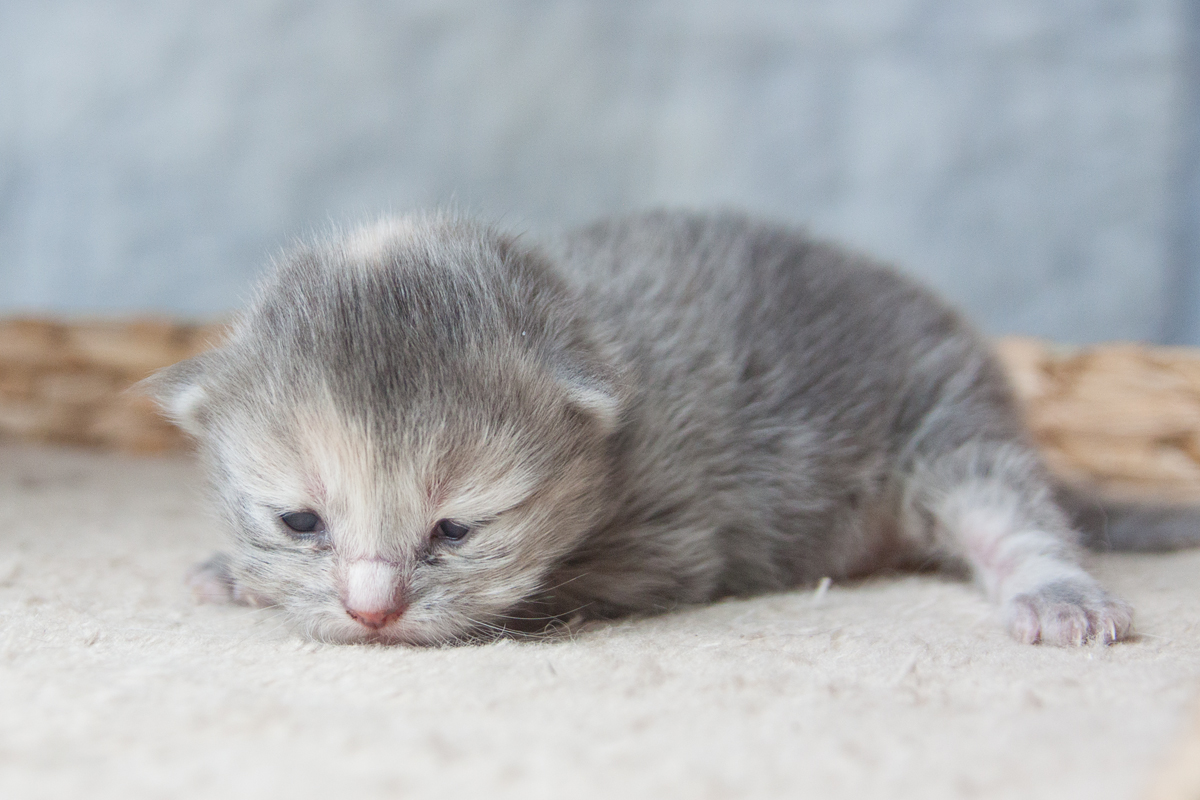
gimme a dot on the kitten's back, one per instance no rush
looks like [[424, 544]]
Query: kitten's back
[[782, 383]]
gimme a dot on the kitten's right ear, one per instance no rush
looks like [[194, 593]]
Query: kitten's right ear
[[180, 391]]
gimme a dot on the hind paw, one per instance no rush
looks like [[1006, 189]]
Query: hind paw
[[1068, 613]]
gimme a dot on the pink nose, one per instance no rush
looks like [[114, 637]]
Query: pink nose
[[376, 619]]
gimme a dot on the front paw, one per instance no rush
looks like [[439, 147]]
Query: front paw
[[212, 581], [1069, 612]]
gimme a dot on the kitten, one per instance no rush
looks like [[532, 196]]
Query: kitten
[[425, 430]]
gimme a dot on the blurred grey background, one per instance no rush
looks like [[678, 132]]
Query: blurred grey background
[[1036, 160]]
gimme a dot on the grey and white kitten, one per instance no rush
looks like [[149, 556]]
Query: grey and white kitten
[[425, 429]]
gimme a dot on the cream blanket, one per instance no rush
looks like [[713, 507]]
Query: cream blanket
[[113, 683]]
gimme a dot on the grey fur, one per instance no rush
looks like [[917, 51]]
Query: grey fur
[[669, 407]]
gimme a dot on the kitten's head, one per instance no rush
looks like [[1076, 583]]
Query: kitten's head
[[406, 431]]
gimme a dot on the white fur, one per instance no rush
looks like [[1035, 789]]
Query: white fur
[[368, 244]]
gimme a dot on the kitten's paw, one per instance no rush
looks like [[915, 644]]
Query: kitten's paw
[[1069, 613], [212, 581]]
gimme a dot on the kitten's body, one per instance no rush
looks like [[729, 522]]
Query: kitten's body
[[662, 409]]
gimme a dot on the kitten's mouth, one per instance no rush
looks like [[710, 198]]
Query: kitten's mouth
[[396, 635], [393, 633]]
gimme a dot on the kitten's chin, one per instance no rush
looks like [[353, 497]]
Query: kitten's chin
[[331, 630]]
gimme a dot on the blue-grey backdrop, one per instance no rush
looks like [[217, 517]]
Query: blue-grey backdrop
[[1034, 159]]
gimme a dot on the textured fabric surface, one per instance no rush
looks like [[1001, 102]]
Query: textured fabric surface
[[113, 683]]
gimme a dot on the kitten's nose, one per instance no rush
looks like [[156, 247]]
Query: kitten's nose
[[371, 594], [376, 619]]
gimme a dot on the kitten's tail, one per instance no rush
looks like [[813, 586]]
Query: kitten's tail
[[1130, 525]]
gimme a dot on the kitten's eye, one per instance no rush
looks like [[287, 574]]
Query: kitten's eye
[[450, 530], [303, 521]]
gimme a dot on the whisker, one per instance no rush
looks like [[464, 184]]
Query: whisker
[[558, 586]]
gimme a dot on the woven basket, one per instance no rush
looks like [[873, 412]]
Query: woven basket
[[1123, 416]]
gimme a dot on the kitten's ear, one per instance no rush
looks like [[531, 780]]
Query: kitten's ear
[[595, 392], [598, 402], [180, 391]]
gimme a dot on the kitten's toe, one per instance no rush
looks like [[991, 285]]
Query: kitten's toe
[[1069, 613]]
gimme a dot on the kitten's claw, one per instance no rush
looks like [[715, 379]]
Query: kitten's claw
[[1069, 613]]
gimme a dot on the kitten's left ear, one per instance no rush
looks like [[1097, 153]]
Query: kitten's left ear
[[180, 391]]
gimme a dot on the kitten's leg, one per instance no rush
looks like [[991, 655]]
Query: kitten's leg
[[212, 581], [988, 506]]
